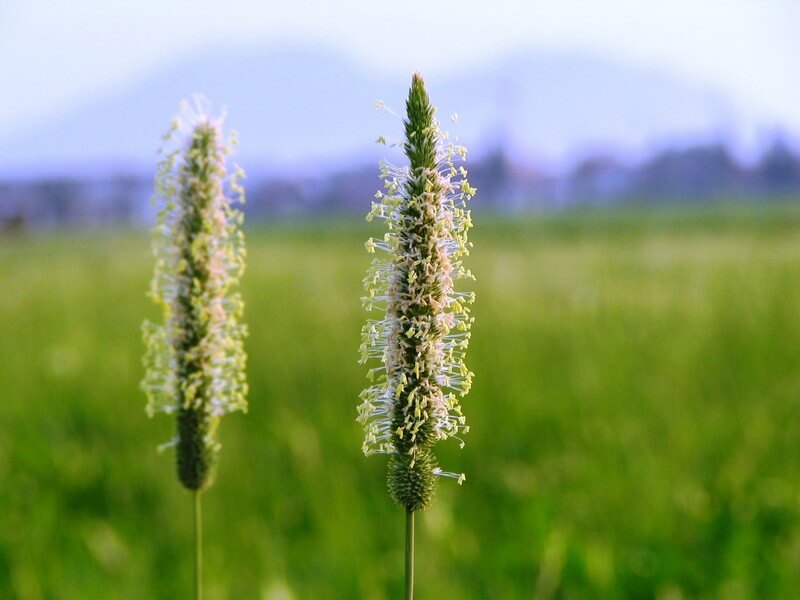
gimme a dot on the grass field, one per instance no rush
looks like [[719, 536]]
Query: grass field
[[635, 421]]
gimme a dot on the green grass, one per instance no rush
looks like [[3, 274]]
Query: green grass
[[635, 423]]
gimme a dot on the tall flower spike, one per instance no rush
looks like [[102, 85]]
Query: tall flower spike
[[424, 330], [195, 360]]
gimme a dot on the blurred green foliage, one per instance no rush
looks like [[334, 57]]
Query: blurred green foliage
[[635, 423]]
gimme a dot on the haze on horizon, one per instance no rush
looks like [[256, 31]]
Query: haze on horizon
[[62, 58], [58, 54]]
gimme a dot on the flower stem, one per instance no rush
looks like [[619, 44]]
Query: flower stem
[[409, 555], [198, 547]]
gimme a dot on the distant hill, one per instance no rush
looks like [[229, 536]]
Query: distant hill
[[295, 104]]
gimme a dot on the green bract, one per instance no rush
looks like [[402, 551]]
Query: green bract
[[424, 331], [195, 360]]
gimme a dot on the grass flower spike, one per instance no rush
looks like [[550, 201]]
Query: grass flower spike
[[424, 330], [195, 360]]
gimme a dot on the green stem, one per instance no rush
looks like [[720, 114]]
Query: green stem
[[409, 555], [198, 547]]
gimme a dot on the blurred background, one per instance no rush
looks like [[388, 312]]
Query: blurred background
[[635, 431]]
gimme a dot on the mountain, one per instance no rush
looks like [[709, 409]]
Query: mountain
[[311, 108]]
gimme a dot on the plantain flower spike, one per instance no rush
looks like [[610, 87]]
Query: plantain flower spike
[[195, 360], [424, 331]]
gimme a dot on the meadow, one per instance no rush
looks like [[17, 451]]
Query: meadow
[[635, 423]]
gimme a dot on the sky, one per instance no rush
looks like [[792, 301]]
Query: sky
[[56, 55]]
